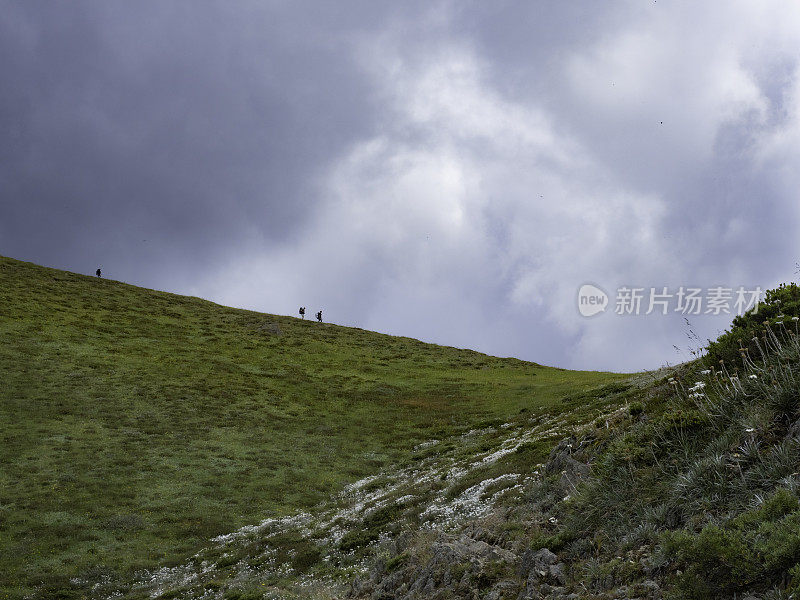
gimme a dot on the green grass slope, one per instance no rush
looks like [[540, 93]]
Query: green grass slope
[[691, 491], [137, 424]]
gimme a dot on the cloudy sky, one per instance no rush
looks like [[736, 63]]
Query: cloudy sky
[[452, 171]]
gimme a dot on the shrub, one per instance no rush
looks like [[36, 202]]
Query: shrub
[[382, 516], [244, 595], [784, 300], [357, 538], [780, 504], [715, 561], [779, 543], [305, 559], [794, 583], [759, 546], [682, 420], [396, 562]]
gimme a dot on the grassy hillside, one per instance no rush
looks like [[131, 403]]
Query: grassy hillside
[[138, 424], [690, 492]]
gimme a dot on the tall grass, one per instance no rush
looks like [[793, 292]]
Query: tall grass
[[711, 476]]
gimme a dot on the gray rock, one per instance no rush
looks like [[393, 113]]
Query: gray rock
[[536, 560], [556, 573], [650, 585], [451, 566], [543, 574], [561, 460], [502, 589]]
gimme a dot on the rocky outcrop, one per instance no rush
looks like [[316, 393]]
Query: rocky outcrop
[[482, 561], [449, 566]]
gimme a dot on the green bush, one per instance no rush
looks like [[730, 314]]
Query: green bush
[[305, 559], [794, 582], [382, 516], [716, 561], [227, 561], [779, 544], [784, 300], [682, 420], [396, 562], [777, 506], [371, 527], [357, 538], [244, 595], [759, 546]]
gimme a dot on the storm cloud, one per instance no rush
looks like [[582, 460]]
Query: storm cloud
[[452, 171]]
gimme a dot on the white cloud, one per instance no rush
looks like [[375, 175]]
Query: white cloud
[[469, 217]]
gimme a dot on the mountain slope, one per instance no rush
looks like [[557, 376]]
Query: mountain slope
[[678, 484], [692, 491], [138, 424]]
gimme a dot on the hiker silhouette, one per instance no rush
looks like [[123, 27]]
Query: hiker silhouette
[[98, 273], [302, 312], [319, 316]]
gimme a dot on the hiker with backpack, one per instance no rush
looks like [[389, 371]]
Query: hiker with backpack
[[319, 316], [302, 312]]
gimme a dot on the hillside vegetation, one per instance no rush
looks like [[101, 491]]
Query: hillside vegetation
[[690, 492], [679, 484], [138, 426]]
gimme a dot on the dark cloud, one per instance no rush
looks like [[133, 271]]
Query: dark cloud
[[187, 127]]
